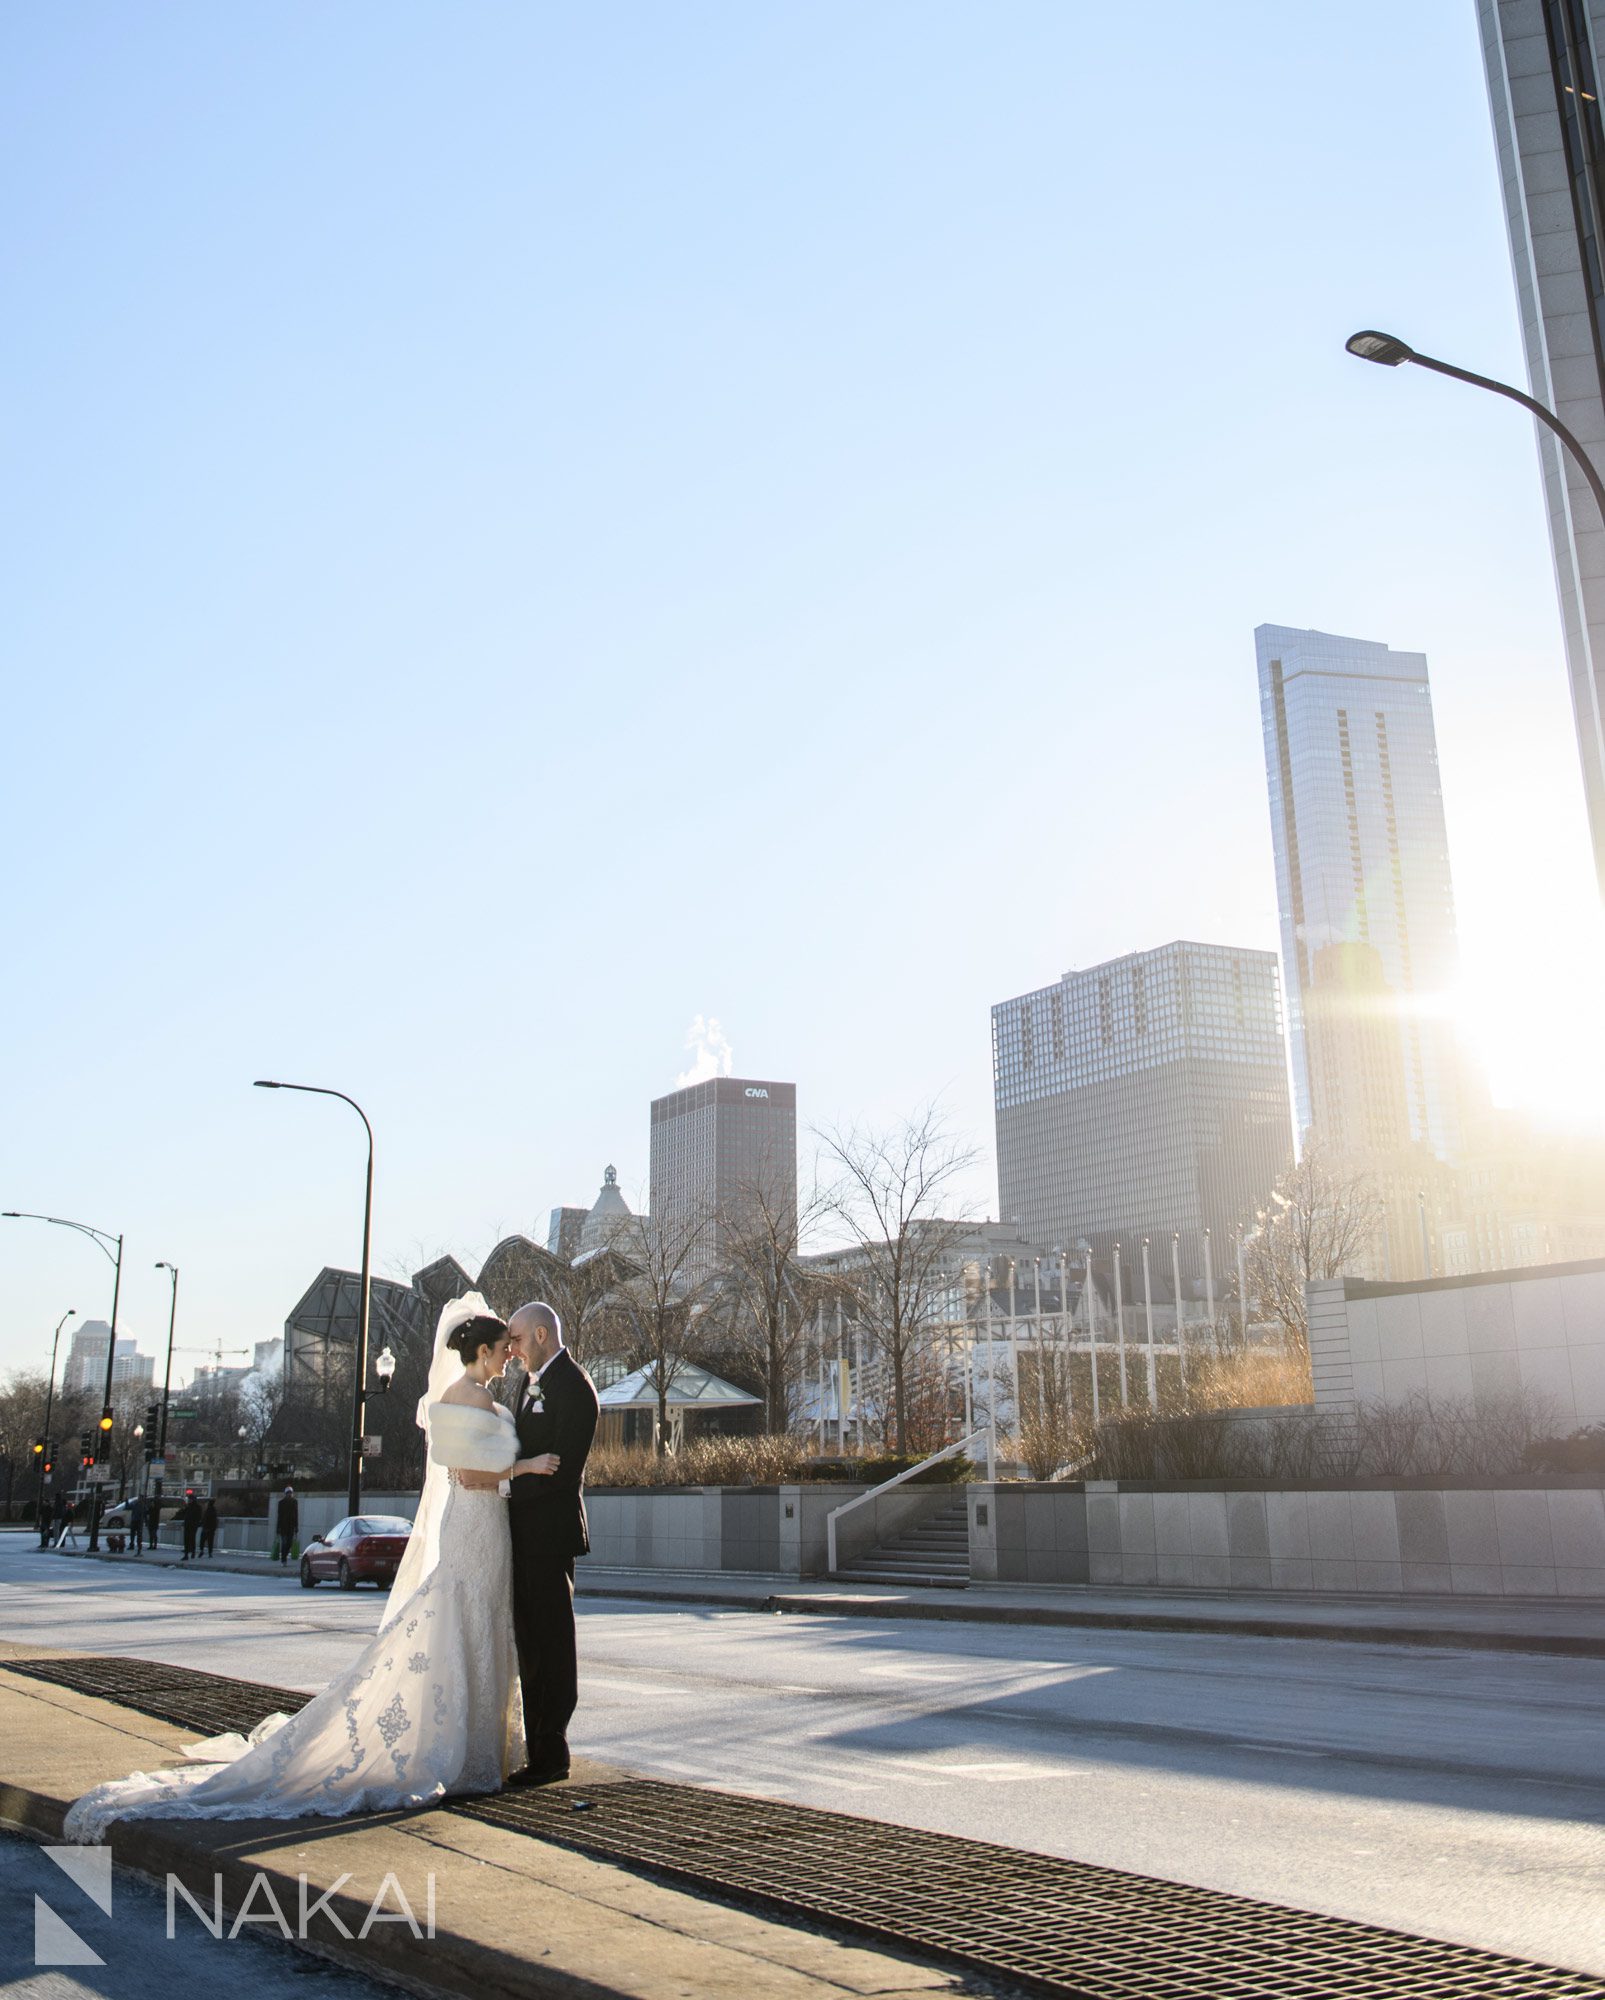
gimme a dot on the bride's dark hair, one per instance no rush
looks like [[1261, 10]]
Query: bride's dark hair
[[474, 1336]]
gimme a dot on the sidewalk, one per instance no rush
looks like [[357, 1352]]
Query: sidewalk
[[1502, 1624], [513, 1917], [1570, 1626]]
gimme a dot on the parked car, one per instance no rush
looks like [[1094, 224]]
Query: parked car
[[363, 1548]]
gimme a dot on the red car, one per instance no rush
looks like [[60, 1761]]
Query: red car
[[363, 1548]]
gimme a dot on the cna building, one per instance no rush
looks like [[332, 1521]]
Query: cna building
[[1143, 1097], [716, 1148]]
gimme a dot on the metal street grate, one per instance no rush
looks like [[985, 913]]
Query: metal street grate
[[210, 1704], [1058, 1927]]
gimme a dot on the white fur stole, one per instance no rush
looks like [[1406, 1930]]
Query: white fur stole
[[470, 1439]]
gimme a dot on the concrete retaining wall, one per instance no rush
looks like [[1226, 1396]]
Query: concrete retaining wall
[[1475, 1538], [1541, 1329], [769, 1530]]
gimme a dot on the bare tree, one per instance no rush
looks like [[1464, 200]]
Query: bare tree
[[1321, 1216], [891, 1189], [665, 1287], [766, 1296]]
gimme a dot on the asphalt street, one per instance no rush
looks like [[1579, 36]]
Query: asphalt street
[[1457, 1794]]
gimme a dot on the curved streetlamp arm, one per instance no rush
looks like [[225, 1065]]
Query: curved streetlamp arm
[[101, 1238], [321, 1090], [364, 1286], [1388, 351], [1568, 438]]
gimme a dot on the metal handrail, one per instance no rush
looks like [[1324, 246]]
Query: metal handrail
[[898, 1478]]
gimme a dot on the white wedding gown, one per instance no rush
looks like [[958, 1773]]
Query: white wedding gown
[[431, 1707]]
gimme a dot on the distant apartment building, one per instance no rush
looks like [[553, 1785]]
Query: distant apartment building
[[563, 1228], [86, 1361], [1362, 860], [720, 1150], [1143, 1097]]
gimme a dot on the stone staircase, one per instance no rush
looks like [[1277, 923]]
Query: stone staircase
[[934, 1554]]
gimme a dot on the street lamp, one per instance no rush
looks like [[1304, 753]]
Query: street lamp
[[50, 1400], [360, 1368], [1388, 351], [167, 1380], [103, 1241]]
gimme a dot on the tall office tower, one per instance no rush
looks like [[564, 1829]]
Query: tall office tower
[[1351, 1029], [720, 1149], [1361, 852], [1144, 1097], [1543, 88], [85, 1368]]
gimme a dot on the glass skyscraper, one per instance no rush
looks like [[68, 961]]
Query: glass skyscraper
[[1144, 1097], [1542, 59], [1362, 857]]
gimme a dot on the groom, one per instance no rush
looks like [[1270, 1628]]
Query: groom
[[556, 1415]]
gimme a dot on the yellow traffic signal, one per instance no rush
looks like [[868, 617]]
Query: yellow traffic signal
[[105, 1420], [38, 1448]]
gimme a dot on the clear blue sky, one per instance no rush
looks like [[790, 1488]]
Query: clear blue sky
[[528, 524]]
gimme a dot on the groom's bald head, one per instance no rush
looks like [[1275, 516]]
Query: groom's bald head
[[535, 1333]]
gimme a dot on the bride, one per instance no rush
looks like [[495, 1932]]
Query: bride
[[432, 1704]]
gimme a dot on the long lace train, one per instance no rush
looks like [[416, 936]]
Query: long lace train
[[430, 1707]]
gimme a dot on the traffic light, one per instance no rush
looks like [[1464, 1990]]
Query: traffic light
[[106, 1418], [153, 1418], [49, 1465], [38, 1447], [86, 1450]]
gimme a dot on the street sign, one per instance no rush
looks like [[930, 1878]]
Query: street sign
[[157, 1468], [98, 1475], [183, 1413], [372, 1444]]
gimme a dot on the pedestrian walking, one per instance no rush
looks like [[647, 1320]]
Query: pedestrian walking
[[136, 1524], [286, 1522], [47, 1521], [153, 1518], [191, 1517], [209, 1528]]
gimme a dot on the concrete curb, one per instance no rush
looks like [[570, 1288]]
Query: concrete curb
[[942, 1609], [462, 1966], [1574, 1644]]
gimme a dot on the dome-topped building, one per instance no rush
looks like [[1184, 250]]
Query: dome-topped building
[[609, 1215]]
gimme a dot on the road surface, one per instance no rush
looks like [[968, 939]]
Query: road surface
[[1460, 1795]]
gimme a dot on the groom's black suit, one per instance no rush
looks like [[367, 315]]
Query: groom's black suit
[[557, 1413]]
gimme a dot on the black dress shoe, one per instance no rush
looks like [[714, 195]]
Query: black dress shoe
[[537, 1774]]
